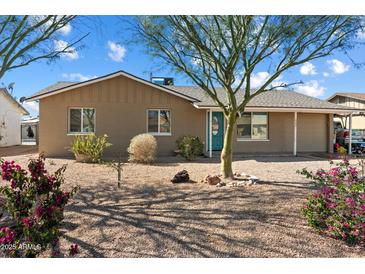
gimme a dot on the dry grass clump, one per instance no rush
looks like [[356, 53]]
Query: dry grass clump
[[142, 149]]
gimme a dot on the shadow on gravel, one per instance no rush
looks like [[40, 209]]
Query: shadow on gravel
[[307, 186], [174, 161], [188, 221], [283, 159]]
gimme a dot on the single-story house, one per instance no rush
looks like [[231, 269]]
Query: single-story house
[[122, 105], [350, 99], [11, 112]]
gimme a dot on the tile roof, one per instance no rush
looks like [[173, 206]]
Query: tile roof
[[15, 102]]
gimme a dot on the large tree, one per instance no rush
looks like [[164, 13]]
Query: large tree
[[25, 39], [225, 52]]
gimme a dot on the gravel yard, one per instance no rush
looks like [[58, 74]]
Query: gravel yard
[[17, 150], [151, 217]]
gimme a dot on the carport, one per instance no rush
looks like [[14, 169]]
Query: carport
[[346, 121]]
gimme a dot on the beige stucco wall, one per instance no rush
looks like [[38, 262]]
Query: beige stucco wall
[[312, 134], [121, 106], [280, 136]]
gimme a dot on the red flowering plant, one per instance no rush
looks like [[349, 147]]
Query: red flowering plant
[[337, 207], [34, 203]]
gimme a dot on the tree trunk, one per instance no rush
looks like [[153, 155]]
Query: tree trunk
[[119, 176], [226, 155]]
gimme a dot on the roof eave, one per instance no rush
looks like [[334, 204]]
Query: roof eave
[[286, 109], [331, 97]]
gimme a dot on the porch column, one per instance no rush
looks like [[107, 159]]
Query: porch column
[[207, 131], [350, 134], [331, 134], [210, 132], [295, 134]]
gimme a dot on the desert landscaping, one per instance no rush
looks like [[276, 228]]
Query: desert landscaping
[[151, 217]]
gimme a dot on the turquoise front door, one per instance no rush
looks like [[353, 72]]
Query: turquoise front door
[[217, 130]]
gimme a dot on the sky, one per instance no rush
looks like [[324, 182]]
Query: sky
[[106, 49]]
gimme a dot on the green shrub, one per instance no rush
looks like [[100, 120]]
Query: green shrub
[[190, 147], [89, 148], [142, 149]]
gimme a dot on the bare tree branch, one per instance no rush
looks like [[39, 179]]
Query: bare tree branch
[[26, 39], [222, 53]]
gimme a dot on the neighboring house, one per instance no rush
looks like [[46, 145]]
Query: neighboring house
[[122, 105], [29, 131], [355, 100], [11, 113]]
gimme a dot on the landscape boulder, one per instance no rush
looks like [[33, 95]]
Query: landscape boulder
[[212, 180], [181, 177]]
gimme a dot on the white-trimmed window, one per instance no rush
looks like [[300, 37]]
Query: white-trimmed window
[[252, 126], [159, 121], [81, 120]]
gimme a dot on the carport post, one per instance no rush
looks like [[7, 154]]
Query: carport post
[[295, 133], [210, 133], [350, 134]]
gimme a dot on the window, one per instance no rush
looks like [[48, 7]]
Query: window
[[341, 100], [159, 122], [215, 126], [252, 126], [244, 126], [81, 120]]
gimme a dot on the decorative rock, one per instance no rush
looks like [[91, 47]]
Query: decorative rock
[[254, 179], [237, 184], [242, 179], [212, 180], [181, 177], [243, 174], [220, 184]]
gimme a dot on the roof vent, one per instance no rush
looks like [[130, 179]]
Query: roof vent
[[163, 81]]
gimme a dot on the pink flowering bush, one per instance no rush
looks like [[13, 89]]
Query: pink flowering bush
[[337, 207], [35, 203]]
